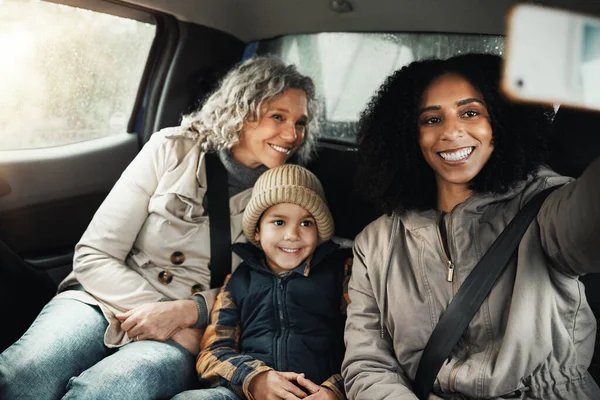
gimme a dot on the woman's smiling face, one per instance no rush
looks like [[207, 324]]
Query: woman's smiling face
[[277, 134], [455, 134]]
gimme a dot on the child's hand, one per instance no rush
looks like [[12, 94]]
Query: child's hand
[[275, 385], [317, 392]]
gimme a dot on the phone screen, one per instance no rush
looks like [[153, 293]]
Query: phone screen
[[553, 57], [590, 63]]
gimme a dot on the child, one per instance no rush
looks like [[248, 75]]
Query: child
[[276, 327]]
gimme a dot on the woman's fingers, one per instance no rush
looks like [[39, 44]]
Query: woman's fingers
[[128, 324], [123, 316], [133, 332], [308, 384], [136, 334]]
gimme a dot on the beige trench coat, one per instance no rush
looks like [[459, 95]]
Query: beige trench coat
[[152, 220]]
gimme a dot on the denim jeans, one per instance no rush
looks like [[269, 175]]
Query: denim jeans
[[218, 393], [63, 355]]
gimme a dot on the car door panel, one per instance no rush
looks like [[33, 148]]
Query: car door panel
[[54, 192]]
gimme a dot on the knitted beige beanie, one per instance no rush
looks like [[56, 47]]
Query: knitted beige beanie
[[288, 183]]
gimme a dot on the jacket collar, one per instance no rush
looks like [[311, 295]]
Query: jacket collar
[[254, 257], [477, 204]]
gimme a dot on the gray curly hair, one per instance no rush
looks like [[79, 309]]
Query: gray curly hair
[[239, 97]]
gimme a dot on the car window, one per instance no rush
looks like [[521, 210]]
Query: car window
[[349, 67], [67, 74]]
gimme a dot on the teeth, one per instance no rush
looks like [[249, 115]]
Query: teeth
[[280, 149], [456, 155], [290, 250]]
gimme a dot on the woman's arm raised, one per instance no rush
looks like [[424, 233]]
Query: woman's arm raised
[[570, 224]]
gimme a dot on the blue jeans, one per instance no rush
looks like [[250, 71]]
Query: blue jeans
[[63, 355], [218, 393]]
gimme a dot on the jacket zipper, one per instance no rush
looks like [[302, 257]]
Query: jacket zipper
[[444, 243], [456, 367], [453, 373], [278, 357], [450, 277]]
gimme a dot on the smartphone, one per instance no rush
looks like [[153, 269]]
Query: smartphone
[[552, 56]]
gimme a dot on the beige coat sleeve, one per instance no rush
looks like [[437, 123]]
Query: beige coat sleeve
[[370, 368], [570, 224], [99, 260]]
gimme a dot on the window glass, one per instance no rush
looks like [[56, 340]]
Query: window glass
[[349, 67], [66, 74]]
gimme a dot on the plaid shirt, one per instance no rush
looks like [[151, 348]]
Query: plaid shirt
[[220, 362]]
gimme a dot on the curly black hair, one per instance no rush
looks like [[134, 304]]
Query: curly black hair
[[392, 171]]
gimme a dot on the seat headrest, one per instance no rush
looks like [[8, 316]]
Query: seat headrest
[[575, 141]]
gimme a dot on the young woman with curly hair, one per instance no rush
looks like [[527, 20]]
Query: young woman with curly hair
[[451, 162], [127, 321]]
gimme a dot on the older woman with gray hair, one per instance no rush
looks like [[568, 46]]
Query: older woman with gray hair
[[127, 321]]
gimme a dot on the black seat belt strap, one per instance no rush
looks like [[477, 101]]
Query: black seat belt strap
[[219, 220], [471, 295]]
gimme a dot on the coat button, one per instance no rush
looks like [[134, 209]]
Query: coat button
[[165, 277], [177, 258], [197, 288]]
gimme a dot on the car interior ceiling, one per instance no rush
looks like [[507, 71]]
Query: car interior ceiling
[[261, 19]]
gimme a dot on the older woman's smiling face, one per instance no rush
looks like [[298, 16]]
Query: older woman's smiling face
[[277, 134], [455, 134]]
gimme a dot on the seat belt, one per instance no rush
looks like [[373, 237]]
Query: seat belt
[[218, 219], [471, 295]]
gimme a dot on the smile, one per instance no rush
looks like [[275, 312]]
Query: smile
[[290, 251], [456, 155], [280, 149]]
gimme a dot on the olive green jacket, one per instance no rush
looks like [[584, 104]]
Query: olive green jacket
[[533, 337]]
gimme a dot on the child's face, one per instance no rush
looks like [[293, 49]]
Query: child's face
[[288, 235]]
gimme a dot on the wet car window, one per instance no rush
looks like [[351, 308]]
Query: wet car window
[[67, 74], [349, 67]]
